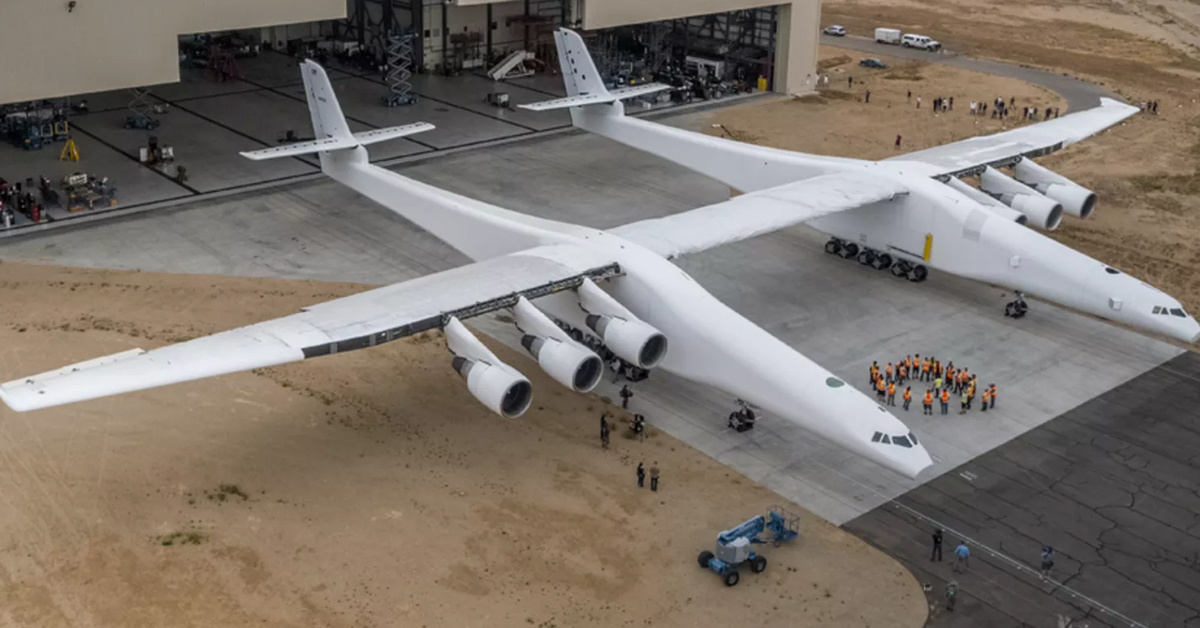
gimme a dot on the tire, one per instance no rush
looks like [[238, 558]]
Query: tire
[[731, 578], [832, 247], [759, 564], [866, 257], [899, 269], [918, 274], [849, 250], [705, 558], [882, 261]]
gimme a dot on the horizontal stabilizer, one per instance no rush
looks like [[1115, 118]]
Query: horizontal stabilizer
[[338, 143], [601, 98]]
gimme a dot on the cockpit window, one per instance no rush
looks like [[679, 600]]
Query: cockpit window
[[908, 441], [902, 441], [886, 440], [913, 438], [1158, 309], [1175, 311], [1112, 271], [877, 437]]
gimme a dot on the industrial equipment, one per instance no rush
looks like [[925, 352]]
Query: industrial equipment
[[733, 545], [513, 66], [399, 70], [497, 99], [88, 192], [743, 418]]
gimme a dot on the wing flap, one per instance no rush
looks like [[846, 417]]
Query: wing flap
[[599, 98], [354, 322], [759, 212], [971, 155]]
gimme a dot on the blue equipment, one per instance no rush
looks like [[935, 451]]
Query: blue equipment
[[733, 545]]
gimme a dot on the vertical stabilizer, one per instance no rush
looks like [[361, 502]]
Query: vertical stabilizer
[[578, 70], [327, 118]]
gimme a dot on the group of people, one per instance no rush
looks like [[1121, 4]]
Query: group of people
[[944, 379], [962, 561], [1150, 107]]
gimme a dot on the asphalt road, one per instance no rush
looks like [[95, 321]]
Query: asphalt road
[[1080, 95], [1113, 486]]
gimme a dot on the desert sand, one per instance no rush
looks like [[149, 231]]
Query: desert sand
[[362, 489], [1145, 171]]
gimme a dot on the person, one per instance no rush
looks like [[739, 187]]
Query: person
[[902, 373], [937, 546], [826, 80], [880, 389], [925, 370], [604, 430], [908, 97], [907, 397], [867, 97], [639, 426], [970, 392], [963, 409], [950, 104], [897, 141], [918, 102], [937, 382], [849, 81], [654, 476], [972, 107], [626, 395], [993, 391], [945, 400], [1047, 561], [951, 594], [891, 396], [987, 396], [874, 372], [927, 402], [641, 474], [962, 554]]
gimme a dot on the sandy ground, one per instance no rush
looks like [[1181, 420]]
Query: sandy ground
[[364, 489], [1146, 171]]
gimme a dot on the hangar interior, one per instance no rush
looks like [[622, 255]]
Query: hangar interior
[[141, 133]]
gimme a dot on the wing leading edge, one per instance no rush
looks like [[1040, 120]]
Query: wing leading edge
[[354, 322], [759, 212]]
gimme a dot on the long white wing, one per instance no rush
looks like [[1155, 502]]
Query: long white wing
[[354, 322], [759, 212], [969, 156]]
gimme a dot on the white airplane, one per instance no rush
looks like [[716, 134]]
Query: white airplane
[[618, 286], [939, 222]]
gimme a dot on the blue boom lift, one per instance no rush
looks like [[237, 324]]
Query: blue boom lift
[[733, 545]]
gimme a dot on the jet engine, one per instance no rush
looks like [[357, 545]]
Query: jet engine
[[1043, 212], [623, 333], [1076, 199], [990, 204], [568, 362], [495, 384]]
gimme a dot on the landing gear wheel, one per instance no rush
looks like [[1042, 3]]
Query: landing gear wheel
[[866, 257], [705, 558], [900, 269], [759, 564], [849, 250], [918, 274], [732, 577], [833, 247], [882, 261]]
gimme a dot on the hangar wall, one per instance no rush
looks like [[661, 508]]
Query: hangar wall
[[100, 45]]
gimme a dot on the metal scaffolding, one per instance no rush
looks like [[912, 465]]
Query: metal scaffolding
[[399, 69]]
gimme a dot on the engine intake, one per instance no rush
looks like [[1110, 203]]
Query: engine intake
[[1043, 213], [989, 204], [635, 341], [1076, 199]]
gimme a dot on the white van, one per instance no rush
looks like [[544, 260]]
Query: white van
[[911, 40], [887, 35]]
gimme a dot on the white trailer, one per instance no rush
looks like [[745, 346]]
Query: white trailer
[[887, 35]]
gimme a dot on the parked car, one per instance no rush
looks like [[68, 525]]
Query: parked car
[[835, 30], [912, 40], [887, 36], [872, 62]]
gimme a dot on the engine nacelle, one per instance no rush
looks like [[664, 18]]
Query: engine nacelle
[[1043, 212], [623, 333], [567, 362], [495, 384], [990, 204], [1076, 199], [635, 341]]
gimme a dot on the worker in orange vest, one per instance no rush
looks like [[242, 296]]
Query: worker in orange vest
[[970, 392], [907, 397], [937, 368], [892, 394], [987, 396], [901, 374], [993, 391], [889, 371], [945, 400], [873, 372], [880, 388], [928, 402], [925, 371]]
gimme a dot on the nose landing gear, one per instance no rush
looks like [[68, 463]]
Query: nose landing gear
[[877, 260], [1017, 307]]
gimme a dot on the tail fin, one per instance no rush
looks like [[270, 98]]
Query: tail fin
[[329, 125], [584, 86], [327, 118]]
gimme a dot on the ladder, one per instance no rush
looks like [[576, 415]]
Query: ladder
[[69, 152], [399, 69]]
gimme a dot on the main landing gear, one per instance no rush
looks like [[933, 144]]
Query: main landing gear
[[1017, 307], [876, 260]]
